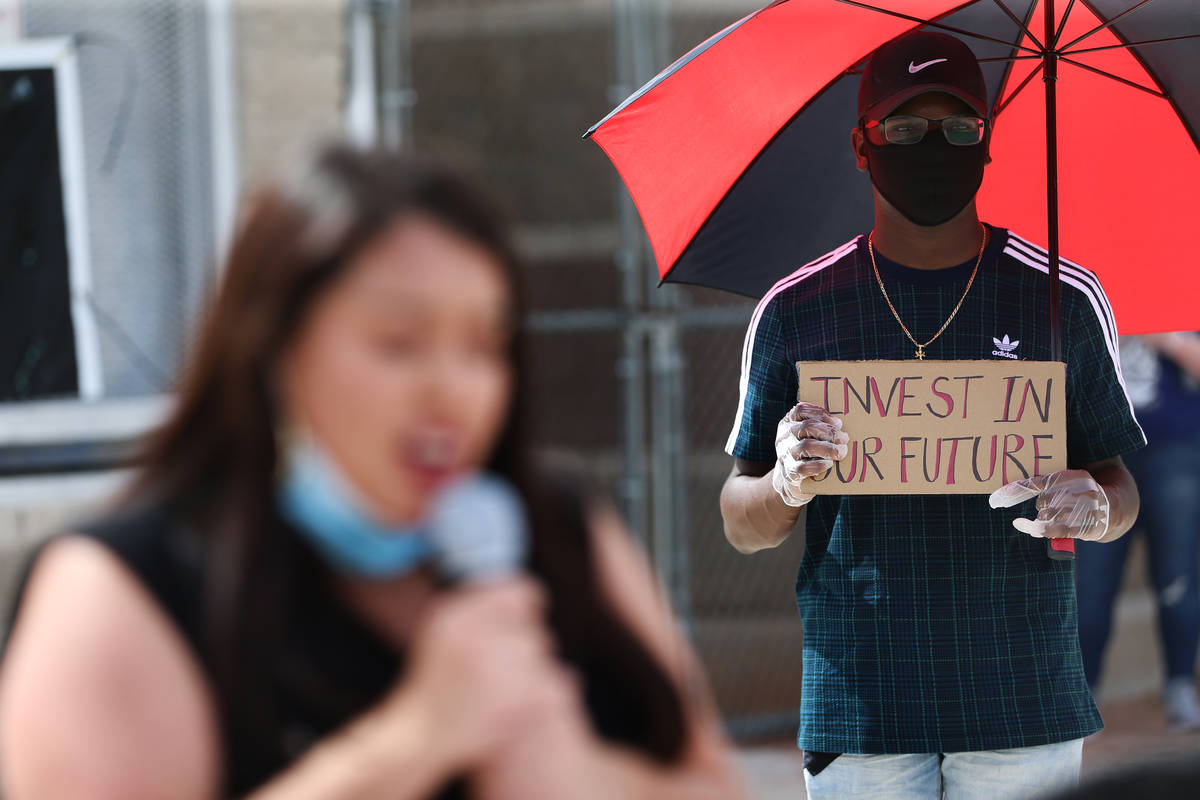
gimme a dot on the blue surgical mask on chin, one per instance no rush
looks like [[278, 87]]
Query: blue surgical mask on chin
[[318, 500]]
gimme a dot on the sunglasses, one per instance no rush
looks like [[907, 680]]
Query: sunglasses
[[959, 129]]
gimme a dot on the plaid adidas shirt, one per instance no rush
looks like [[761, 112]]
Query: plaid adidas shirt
[[930, 623]]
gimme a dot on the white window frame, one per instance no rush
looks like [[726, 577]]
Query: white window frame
[[53, 423], [59, 55]]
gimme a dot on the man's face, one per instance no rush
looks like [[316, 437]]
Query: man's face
[[931, 105], [931, 181]]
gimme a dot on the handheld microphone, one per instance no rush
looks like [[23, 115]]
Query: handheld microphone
[[479, 530]]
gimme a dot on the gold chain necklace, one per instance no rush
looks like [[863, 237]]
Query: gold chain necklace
[[903, 327]]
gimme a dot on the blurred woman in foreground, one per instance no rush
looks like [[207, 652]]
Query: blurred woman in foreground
[[213, 638]]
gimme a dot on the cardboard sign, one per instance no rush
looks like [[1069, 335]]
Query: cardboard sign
[[939, 427]]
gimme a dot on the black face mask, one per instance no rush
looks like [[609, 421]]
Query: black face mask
[[929, 182]]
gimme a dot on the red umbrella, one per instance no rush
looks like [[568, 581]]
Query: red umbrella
[[738, 155]]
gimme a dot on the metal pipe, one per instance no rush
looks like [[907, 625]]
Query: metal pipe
[[223, 128], [396, 93], [362, 110], [605, 319], [1057, 549], [1050, 78], [670, 476], [631, 366]]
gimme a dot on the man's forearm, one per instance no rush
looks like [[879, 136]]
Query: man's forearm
[[1123, 499], [756, 518]]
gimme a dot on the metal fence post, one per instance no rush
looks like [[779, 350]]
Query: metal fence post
[[669, 478], [629, 260], [396, 94], [223, 127], [655, 481], [362, 100]]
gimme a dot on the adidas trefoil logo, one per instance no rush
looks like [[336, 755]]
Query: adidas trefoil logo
[[1005, 347]]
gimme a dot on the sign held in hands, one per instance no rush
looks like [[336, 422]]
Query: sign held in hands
[[939, 427]]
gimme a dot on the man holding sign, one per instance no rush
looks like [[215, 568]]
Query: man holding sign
[[897, 401]]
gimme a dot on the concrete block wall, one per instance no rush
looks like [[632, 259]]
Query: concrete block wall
[[289, 59]]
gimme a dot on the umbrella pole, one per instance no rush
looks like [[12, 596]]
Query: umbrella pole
[[1050, 77], [1058, 549]]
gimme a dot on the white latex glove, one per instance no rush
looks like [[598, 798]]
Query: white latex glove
[[1070, 505], [807, 442]]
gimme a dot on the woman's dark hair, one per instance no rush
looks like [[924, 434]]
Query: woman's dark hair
[[214, 463]]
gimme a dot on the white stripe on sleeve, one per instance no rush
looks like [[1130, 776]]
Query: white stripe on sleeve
[[796, 277], [1086, 282]]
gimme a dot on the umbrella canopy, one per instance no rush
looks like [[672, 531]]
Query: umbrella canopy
[[738, 155]]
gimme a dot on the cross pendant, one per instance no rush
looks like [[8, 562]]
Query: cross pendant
[[921, 352]]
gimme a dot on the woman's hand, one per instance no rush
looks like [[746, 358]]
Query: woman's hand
[[483, 671]]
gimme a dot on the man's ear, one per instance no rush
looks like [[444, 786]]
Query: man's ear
[[859, 143]]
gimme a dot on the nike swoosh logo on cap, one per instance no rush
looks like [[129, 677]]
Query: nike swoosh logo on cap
[[915, 68]]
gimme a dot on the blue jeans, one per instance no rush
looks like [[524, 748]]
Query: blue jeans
[[1168, 478], [1020, 774]]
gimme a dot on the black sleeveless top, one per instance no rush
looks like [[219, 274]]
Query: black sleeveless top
[[329, 666]]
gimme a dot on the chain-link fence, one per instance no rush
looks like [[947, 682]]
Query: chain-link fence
[[641, 380]]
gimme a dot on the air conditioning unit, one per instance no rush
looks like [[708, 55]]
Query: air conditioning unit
[[48, 338], [53, 415]]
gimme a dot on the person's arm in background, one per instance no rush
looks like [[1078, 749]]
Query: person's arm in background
[[1182, 347], [101, 697], [706, 769]]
